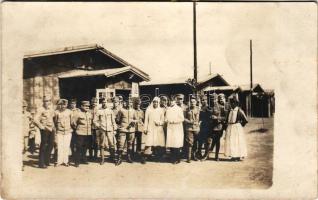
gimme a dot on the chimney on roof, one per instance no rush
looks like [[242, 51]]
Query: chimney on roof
[[210, 68]]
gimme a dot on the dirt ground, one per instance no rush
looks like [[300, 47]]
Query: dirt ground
[[255, 172]]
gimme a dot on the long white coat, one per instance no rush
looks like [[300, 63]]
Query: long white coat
[[155, 134], [174, 119]]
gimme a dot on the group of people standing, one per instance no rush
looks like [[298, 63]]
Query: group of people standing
[[168, 127]]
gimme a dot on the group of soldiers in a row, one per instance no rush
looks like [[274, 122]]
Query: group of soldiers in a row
[[167, 124]]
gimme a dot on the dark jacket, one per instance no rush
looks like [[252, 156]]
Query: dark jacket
[[219, 115], [205, 118], [241, 117]]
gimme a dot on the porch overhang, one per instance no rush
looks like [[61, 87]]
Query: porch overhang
[[104, 72]]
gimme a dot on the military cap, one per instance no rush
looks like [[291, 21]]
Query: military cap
[[85, 103], [137, 101], [73, 100], [93, 99], [163, 98], [233, 98], [46, 98], [25, 104], [115, 99], [214, 96], [221, 95], [62, 102], [204, 97], [120, 98], [32, 110], [179, 96]]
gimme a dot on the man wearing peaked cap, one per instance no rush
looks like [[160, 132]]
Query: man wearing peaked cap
[[82, 122], [93, 150], [44, 121], [62, 102], [121, 101], [85, 103], [115, 99], [73, 109], [180, 102], [105, 122]]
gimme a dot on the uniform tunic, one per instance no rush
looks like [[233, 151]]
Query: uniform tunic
[[205, 126], [44, 121], [192, 126], [175, 131], [126, 119], [26, 129], [139, 134], [154, 120], [106, 124], [82, 122]]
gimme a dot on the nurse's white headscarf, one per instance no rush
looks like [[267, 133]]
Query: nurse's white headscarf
[[151, 104]]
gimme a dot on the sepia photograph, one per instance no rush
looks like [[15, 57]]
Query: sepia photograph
[[157, 99]]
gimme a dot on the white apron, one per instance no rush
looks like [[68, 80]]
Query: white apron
[[175, 132], [155, 134], [235, 142]]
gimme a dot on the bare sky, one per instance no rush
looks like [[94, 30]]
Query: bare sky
[[157, 37]]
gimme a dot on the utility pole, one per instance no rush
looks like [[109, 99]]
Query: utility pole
[[195, 74], [251, 76]]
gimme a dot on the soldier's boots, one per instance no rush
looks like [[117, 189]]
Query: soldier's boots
[[194, 156], [189, 153], [129, 156], [96, 152], [177, 156], [143, 158], [119, 158], [112, 154], [102, 154], [207, 152]]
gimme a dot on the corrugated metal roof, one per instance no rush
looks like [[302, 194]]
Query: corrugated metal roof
[[105, 72]]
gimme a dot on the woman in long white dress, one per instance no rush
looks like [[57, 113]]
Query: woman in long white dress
[[175, 135], [235, 142], [153, 128]]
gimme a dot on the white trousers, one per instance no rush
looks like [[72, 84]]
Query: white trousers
[[63, 146]]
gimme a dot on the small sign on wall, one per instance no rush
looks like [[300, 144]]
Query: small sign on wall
[[134, 90]]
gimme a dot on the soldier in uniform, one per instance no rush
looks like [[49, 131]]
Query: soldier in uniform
[[121, 102], [192, 126], [44, 121], [62, 121], [74, 110], [126, 118], [205, 125], [213, 125], [82, 122], [139, 127], [33, 132], [26, 129], [93, 149], [106, 124], [219, 114]]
